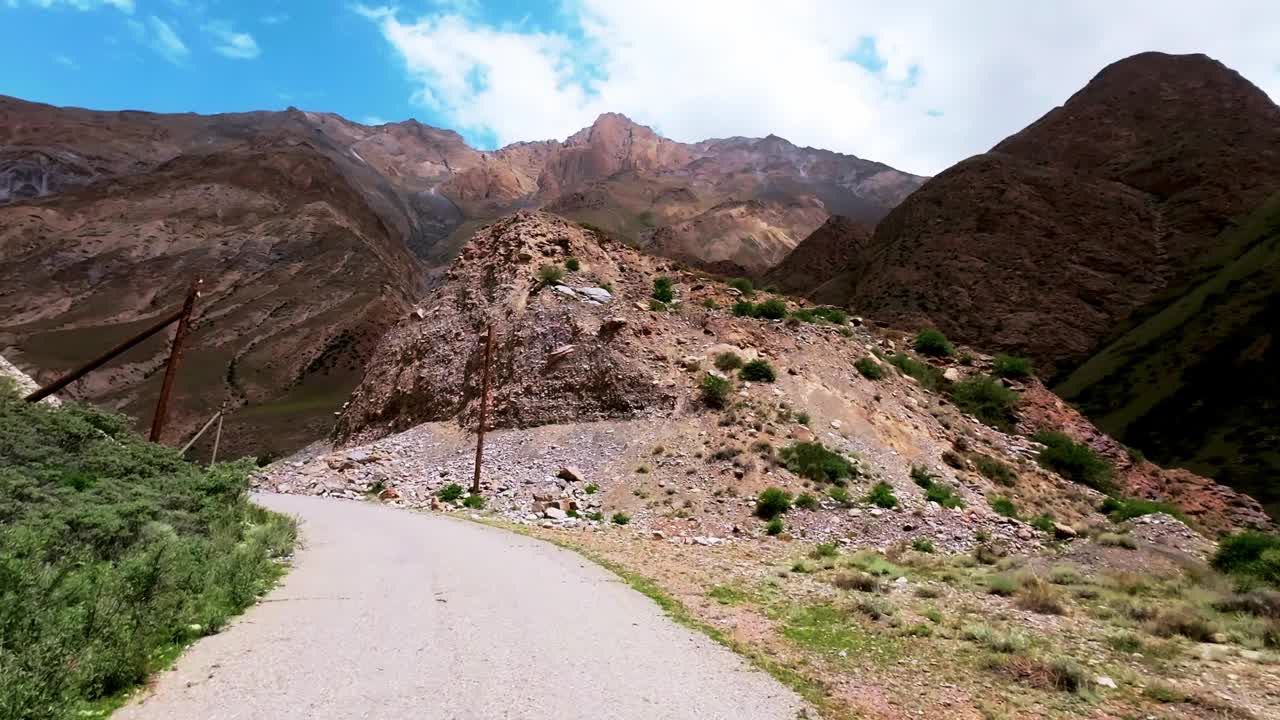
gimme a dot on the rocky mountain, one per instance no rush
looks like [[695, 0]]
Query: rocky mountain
[[313, 234], [1123, 241], [820, 257]]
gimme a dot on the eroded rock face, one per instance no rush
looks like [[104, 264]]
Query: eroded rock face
[[820, 258], [557, 355]]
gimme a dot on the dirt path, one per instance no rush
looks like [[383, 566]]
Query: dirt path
[[395, 614]]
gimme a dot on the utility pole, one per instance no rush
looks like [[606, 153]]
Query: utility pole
[[175, 357], [484, 408]]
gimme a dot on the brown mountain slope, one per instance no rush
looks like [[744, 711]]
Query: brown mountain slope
[[820, 257], [1123, 241]]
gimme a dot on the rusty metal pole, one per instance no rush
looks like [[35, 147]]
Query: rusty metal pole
[[175, 357], [484, 408], [102, 359]]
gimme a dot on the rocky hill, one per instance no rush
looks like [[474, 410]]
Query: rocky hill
[[314, 233], [1117, 224], [819, 259]]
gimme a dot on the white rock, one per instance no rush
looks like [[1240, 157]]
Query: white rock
[[1105, 682], [566, 290], [555, 513], [598, 294]]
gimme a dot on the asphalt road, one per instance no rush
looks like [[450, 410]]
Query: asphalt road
[[392, 614]]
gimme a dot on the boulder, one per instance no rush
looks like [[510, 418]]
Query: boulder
[[1064, 532], [571, 473], [600, 295], [555, 513]]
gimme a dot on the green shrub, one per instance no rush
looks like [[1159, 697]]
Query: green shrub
[[869, 369], [1011, 366], [934, 489], [929, 377], [822, 314], [743, 285], [989, 401], [621, 518], [814, 461], [550, 275], [1250, 554], [571, 264], [657, 306], [862, 582], [663, 289], [475, 502], [450, 493], [1039, 596], [715, 390], [1004, 506], [933, 343], [840, 494], [803, 418], [995, 471], [924, 545], [824, 550], [1121, 509], [710, 304], [1002, 585], [113, 553], [591, 489], [758, 370], [881, 495], [772, 503], [805, 501], [727, 361], [595, 516], [771, 309], [774, 526], [1072, 460], [1043, 522], [921, 476], [744, 308]]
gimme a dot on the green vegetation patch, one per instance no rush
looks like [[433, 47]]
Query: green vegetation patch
[[934, 489], [1072, 460], [772, 502], [663, 289], [929, 377], [1012, 367], [869, 368], [814, 461], [758, 371], [714, 390], [1121, 509], [822, 314], [933, 343], [986, 399], [881, 495], [114, 553], [1250, 554], [830, 629]]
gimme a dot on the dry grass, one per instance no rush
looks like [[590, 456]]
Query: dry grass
[[859, 581], [1039, 596]]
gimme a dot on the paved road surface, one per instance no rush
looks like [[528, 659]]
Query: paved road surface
[[391, 614]]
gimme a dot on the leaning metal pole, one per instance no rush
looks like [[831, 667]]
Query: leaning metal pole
[[175, 358]]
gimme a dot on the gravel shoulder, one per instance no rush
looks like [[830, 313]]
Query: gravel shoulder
[[396, 614]]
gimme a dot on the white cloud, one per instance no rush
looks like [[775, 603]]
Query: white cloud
[[66, 62], [949, 79], [232, 44], [161, 37], [121, 5], [275, 19], [372, 120]]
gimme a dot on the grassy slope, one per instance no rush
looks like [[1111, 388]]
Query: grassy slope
[[1193, 382], [114, 553]]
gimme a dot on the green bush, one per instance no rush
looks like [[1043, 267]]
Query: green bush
[[744, 308], [929, 377], [1072, 460], [995, 470], [881, 495], [772, 309], [1043, 522], [743, 285], [774, 526], [921, 476], [657, 306], [1011, 366], [821, 314], [1121, 509], [727, 361], [1250, 554], [989, 401], [839, 493], [758, 370], [114, 552], [1004, 506], [450, 493], [934, 489], [663, 289], [869, 369], [571, 264], [710, 304], [933, 343], [715, 390], [621, 518], [550, 275], [591, 489], [772, 503], [805, 501], [814, 461], [475, 502], [824, 550], [924, 545]]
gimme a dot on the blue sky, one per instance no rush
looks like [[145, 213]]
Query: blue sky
[[917, 84]]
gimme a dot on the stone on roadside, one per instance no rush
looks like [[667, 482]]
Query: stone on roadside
[[555, 513]]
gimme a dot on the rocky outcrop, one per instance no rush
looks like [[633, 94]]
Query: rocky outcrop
[[559, 353], [738, 238]]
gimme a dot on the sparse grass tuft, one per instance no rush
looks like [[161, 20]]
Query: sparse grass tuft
[[1250, 554], [1004, 506], [715, 390], [1002, 585], [1001, 642], [1121, 509], [591, 488], [743, 285], [824, 550], [814, 461], [929, 377], [550, 275], [771, 309], [1064, 575], [934, 489], [860, 581], [840, 494], [995, 471], [663, 289], [474, 502], [822, 314], [571, 264], [924, 545], [1054, 674], [805, 501], [1043, 522], [1038, 596], [1162, 693], [1011, 366], [1184, 621], [727, 361], [1116, 540]]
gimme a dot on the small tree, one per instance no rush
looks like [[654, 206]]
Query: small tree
[[663, 289], [772, 502]]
